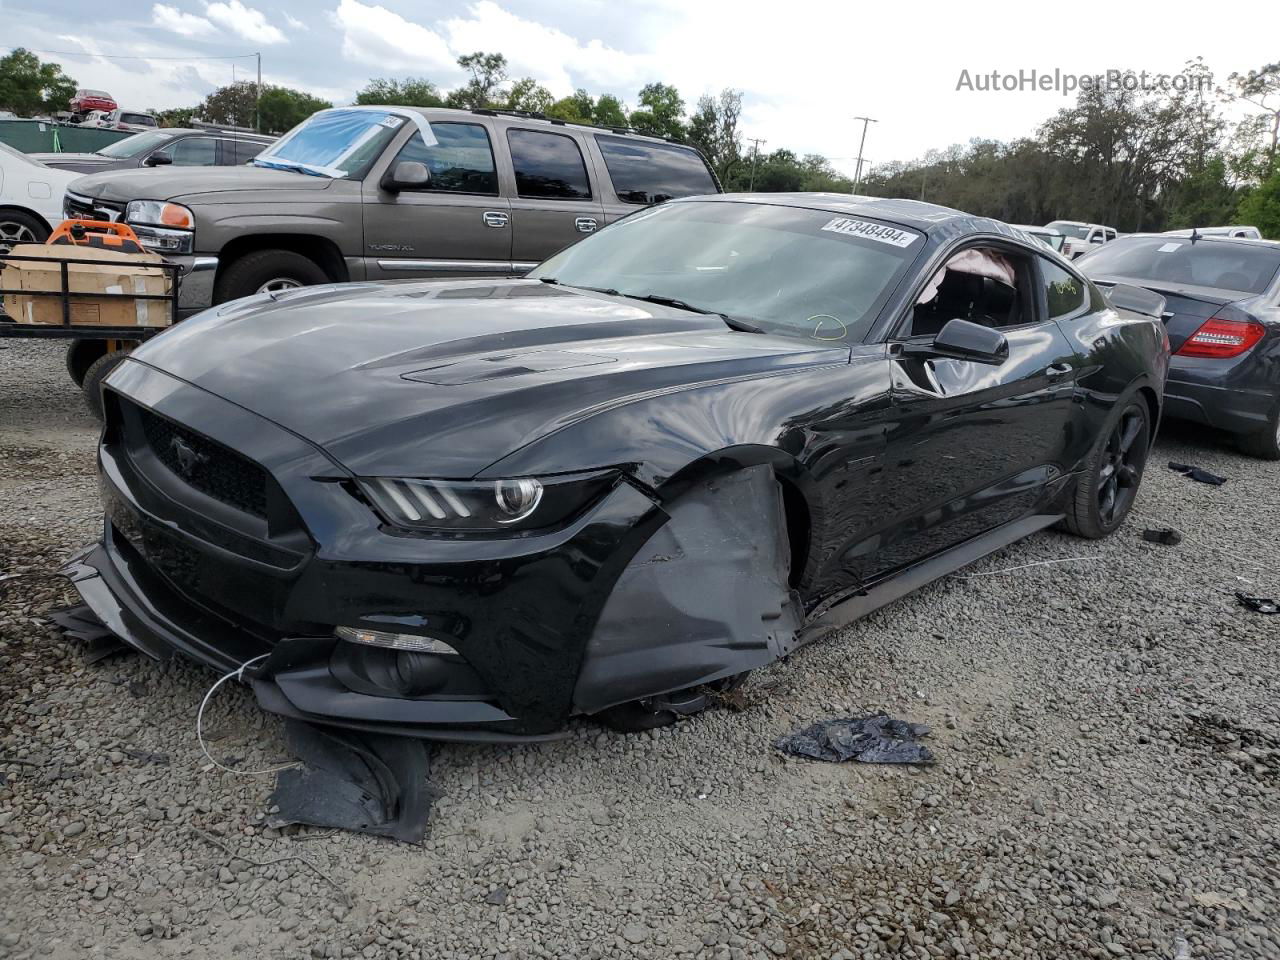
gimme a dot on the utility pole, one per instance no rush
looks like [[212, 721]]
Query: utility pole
[[754, 154], [857, 177], [257, 98]]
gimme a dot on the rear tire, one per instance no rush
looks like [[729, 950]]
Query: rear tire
[[266, 269], [80, 357], [1108, 484], [1265, 444], [98, 371], [18, 227]]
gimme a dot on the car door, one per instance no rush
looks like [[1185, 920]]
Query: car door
[[972, 443], [457, 225], [554, 203], [191, 152]]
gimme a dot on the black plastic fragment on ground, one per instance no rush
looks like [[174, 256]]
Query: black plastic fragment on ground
[[365, 782], [870, 738], [1258, 604], [1195, 473], [81, 623], [1170, 538]]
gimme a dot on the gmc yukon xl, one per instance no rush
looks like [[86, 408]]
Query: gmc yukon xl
[[358, 193]]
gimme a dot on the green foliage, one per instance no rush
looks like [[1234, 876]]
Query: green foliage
[[1261, 207], [528, 94], [1204, 198], [283, 109], [233, 104], [177, 117], [488, 73], [713, 129], [29, 86], [409, 92], [661, 111]]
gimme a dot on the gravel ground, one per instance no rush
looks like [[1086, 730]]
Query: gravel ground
[[1107, 733]]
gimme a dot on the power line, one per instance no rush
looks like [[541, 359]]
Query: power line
[[754, 154], [121, 56]]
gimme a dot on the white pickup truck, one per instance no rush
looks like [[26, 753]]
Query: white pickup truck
[[1081, 236]]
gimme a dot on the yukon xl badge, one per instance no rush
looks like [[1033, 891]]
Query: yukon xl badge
[[392, 247]]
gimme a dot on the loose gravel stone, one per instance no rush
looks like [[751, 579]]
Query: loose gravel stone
[[1107, 732]]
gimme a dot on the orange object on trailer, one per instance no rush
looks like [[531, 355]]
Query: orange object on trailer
[[102, 234]]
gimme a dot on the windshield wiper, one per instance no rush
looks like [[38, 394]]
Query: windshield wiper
[[733, 323]]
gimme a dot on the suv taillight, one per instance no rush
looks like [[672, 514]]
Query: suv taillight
[[1222, 338]]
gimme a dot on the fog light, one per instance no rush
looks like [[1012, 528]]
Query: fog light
[[395, 641]]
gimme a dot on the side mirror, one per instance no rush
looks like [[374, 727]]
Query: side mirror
[[406, 175], [971, 341], [158, 160]]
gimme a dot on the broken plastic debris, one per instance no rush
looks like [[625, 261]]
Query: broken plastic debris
[[1170, 538], [869, 738], [1258, 604], [81, 623], [366, 782], [1195, 473]]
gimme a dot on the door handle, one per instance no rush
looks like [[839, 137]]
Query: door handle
[[586, 224], [1058, 369], [495, 218]]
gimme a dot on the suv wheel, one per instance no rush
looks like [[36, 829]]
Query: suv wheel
[[267, 270]]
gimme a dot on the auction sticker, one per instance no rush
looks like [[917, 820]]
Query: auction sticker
[[871, 231]]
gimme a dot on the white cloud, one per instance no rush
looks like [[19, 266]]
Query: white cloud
[[378, 37], [247, 22], [295, 24], [181, 23]]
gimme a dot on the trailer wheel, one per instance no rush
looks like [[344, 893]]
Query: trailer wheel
[[80, 357], [98, 371]]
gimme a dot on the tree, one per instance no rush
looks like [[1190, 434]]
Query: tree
[[713, 129], [175, 117], [1260, 134], [576, 108], [29, 86], [282, 109], [609, 112], [233, 104], [661, 111], [409, 92], [488, 73], [1261, 207], [528, 94]]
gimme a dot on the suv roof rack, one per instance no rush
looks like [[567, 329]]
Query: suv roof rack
[[539, 115], [223, 128]]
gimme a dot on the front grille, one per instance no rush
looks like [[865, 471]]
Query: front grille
[[86, 208], [206, 465]]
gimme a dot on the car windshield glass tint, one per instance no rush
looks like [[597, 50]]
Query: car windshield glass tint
[[334, 143], [644, 172], [806, 273], [133, 146], [1240, 267], [1078, 230]]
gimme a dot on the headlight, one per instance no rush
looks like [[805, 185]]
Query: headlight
[[162, 227], [159, 213], [521, 503]]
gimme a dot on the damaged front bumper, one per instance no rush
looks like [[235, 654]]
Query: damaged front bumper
[[629, 600]]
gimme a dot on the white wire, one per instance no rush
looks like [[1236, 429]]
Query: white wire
[[238, 673], [1021, 566]]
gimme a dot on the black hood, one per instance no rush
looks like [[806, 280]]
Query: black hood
[[445, 378], [182, 183]]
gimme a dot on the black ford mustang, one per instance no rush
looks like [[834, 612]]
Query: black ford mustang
[[673, 453]]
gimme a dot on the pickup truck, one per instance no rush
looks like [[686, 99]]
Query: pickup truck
[[373, 193], [1081, 237]]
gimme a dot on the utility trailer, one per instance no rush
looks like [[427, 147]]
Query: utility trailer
[[56, 310]]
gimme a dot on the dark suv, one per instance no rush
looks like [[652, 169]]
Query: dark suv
[[373, 193], [171, 146]]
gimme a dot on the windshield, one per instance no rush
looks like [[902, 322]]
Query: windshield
[[1241, 267], [132, 146], [1078, 230], [806, 273], [333, 143]]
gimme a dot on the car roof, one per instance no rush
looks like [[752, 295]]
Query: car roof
[[213, 132], [1204, 238], [916, 214], [522, 117]]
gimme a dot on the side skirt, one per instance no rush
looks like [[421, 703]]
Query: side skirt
[[858, 605]]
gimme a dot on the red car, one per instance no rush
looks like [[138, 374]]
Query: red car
[[86, 100]]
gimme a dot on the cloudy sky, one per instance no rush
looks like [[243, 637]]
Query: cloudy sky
[[806, 67]]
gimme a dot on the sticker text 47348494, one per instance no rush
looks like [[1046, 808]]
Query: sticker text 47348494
[[871, 231]]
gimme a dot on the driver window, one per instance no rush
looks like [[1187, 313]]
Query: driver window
[[193, 152], [982, 285]]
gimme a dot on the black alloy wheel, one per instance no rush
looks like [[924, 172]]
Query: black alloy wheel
[[1122, 461]]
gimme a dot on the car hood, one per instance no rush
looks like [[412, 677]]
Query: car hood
[[193, 183], [70, 157], [445, 378]]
